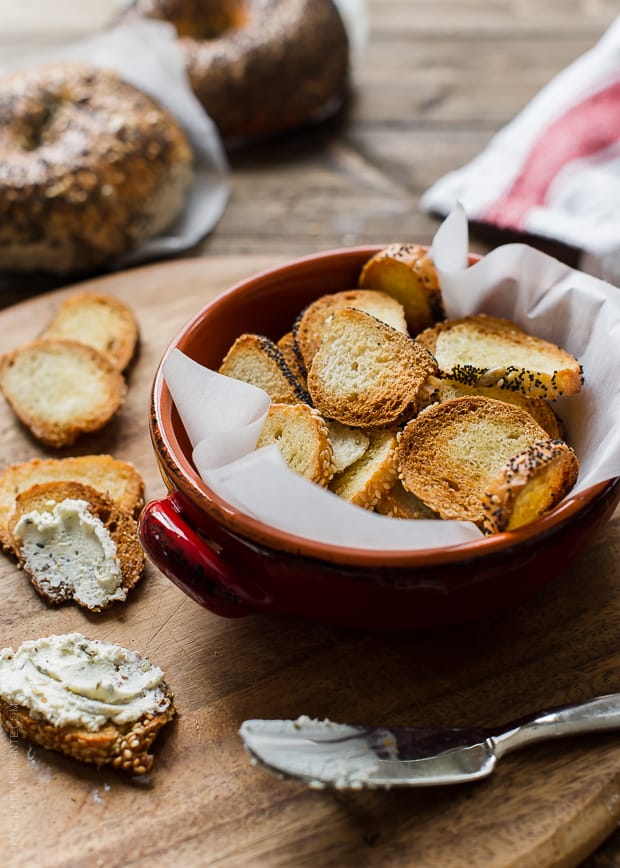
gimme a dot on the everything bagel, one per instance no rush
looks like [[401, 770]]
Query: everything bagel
[[89, 166]]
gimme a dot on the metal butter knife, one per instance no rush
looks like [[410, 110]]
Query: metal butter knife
[[323, 753]]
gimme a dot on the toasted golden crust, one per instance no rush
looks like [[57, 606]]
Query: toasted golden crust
[[406, 272], [257, 360], [488, 351], [450, 453], [303, 439], [90, 164], [120, 525], [445, 389], [397, 502], [365, 373], [100, 321], [118, 479], [529, 485], [366, 481], [310, 325], [61, 389], [124, 747]]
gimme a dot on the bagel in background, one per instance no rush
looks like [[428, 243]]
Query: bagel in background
[[89, 167], [258, 67]]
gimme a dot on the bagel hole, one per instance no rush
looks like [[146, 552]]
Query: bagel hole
[[211, 21], [35, 126]]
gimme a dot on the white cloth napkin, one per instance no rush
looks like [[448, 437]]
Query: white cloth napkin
[[223, 417], [554, 171], [145, 54], [354, 14]]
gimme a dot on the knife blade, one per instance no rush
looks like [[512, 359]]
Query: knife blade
[[323, 753]]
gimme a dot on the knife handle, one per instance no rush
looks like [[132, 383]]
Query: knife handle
[[596, 715]]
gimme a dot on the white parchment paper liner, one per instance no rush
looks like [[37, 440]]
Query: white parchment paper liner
[[145, 54], [223, 417]]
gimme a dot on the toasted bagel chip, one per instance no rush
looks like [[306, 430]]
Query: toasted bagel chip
[[76, 545], [61, 389], [407, 272], [257, 360], [483, 350], [365, 373], [95, 701], [118, 479], [310, 325], [302, 438], [529, 485], [371, 476], [450, 453], [100, 321]]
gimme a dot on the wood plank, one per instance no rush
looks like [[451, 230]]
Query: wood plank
[[508, 18]]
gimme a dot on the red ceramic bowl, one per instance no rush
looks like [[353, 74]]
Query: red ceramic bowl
[[235, 565]]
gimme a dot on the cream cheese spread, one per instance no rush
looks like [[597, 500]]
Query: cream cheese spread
[[70, 680], [71, 555]]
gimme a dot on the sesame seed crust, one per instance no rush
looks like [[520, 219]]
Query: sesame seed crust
[[89, 165], [302, 436], [529, 485], [125, 747]]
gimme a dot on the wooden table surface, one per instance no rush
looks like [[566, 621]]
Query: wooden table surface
[[438, 79]]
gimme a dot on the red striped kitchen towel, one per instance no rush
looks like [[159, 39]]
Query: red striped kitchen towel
[[554, 171]]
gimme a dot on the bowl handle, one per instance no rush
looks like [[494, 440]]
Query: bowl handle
[[191, 562]]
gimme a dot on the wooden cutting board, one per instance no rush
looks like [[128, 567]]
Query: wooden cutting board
[[204, 804]]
